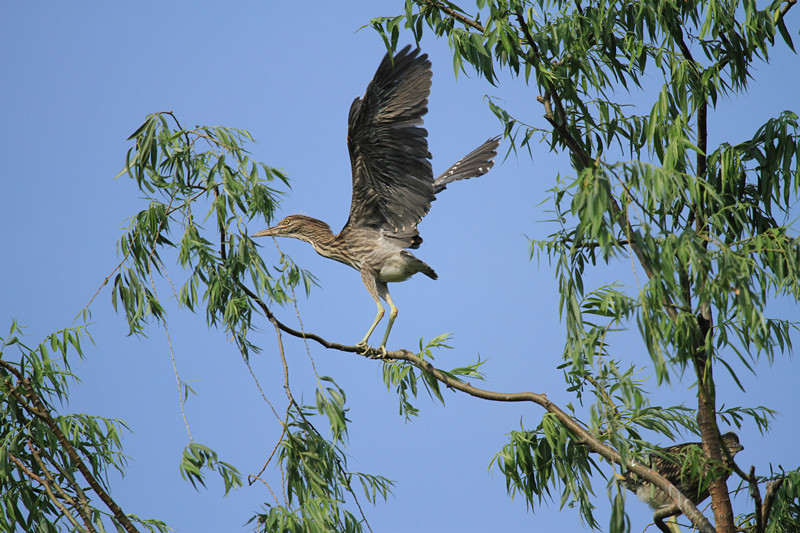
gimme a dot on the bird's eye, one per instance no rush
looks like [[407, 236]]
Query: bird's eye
[[285, 222]]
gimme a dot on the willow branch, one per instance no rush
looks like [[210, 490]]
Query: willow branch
[[661, 514], [456, 15], [37, 408], [43, 482], [341, 468], [79, 508], [291, 331], [559, 123], [582, 435], [756, 495]]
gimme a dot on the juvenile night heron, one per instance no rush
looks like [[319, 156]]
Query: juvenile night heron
[[393, 184], [674, 462]]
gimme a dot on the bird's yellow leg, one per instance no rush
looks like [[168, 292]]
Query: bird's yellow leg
[[364, 342], [392, 316]]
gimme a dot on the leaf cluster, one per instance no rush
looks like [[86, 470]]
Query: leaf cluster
[[203, 188], [197, 457], [53, 468], [405, 377], [318, 482]]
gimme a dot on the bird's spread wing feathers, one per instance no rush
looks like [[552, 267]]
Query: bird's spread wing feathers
[[392, 176]]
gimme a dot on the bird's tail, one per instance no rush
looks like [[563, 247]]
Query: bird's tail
[[428, 271], [474, 164], [418, 265], [425, 269]]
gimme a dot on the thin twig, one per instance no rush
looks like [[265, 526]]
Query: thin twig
[[297, 311], [252, 478], [171, 355], [303, 416]]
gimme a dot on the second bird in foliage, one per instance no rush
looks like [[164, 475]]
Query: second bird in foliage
[[688, 468]]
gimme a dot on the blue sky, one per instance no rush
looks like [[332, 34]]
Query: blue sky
[[79, 78]]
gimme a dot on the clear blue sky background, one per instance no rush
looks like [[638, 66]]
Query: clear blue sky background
[[78, 78]]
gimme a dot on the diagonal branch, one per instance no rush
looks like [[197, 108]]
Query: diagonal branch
[[44, 483], [456, 15], [79, 507], [582, 435]]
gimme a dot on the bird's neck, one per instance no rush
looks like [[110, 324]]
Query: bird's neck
[[321, 238], [334, 248], [323, 243]]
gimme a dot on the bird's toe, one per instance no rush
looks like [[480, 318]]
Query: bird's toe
[[363, 347]]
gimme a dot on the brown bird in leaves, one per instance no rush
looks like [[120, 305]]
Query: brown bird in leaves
[[675, 464]]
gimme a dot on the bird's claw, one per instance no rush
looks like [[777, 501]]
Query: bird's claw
[[381, 353], [372, 353], [363, 347]]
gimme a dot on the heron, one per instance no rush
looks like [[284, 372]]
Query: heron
[[668, 462], [393, 184]]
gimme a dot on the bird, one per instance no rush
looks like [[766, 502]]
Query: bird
[[393, 184], [678, 464]]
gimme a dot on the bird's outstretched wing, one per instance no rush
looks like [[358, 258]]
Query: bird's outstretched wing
[[392, 176]]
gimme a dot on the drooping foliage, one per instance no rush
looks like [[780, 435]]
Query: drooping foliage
[[705, 217]]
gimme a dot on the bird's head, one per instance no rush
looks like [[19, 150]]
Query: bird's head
[[731, 442], [299, 227]]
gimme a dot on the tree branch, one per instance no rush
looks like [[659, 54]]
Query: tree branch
[[582, 435], [456, 15], [43, 482], [558, 121], [756, 495], [79, 507], [661, 514], [286, 386], [769, 498]]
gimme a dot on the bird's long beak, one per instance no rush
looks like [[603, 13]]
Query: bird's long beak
[[264, 233]]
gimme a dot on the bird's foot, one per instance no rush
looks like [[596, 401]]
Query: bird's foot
[[363, 347], [372, 353], [381, 352]]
